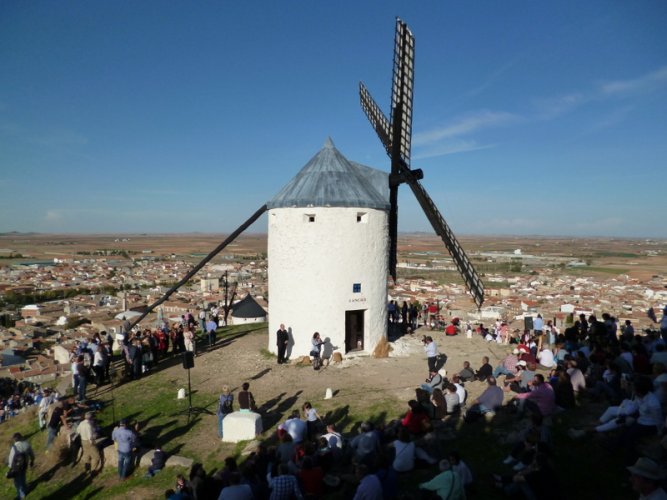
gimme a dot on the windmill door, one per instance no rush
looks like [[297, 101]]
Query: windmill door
[[354, 330]]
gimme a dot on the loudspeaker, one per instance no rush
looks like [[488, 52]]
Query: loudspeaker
[[528, 323], [188, 360]]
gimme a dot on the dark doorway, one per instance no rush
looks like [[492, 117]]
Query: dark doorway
[[354, 330]]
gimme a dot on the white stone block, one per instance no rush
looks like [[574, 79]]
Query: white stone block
[[328, 394], [241, 426], [181, 394]]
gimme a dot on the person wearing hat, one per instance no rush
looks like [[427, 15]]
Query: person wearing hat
[[87, 431], [225, 407], [524, 377], [125, 441], [645, 476]]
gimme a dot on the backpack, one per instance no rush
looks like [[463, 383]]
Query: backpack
[[19, 463], [226, 404]]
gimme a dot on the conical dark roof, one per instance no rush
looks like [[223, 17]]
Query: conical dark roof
[[330, 180], [248, 308]]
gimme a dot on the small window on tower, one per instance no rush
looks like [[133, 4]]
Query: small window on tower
[[356, 288], [309, 218], [362, 217]]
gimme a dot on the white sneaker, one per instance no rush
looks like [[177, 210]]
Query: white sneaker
[[509, 460]]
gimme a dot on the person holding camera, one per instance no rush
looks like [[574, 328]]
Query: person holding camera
[[431, 349]]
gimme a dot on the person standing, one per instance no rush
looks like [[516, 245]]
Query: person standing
[[431, 349], [538, 330], [87, 431], [315, 350], [225, 407], [61, 410], [20, 455], [44, 404], [125, 440], [202, 321], [211, 327], [282, 338], [189, 340]]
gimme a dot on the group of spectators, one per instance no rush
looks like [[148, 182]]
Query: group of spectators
[[16, 397]]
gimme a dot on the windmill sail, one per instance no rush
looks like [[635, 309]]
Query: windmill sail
[[463, 264], [396, 134], [201, 264]]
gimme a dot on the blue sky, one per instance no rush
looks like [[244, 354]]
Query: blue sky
[[544, 118]]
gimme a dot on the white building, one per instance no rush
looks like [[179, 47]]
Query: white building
[[327, 254]]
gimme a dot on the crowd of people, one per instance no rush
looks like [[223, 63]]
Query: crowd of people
[[545, 373]]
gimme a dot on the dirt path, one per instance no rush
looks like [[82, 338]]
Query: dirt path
[[358, 382]]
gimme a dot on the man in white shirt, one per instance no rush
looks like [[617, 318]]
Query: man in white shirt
[[546, 358], [431, 349], [295, 427]]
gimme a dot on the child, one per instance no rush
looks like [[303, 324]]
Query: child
[[311, 420]]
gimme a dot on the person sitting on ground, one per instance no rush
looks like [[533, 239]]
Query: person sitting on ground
[[466, 374], [520, 383], [641, 416], [508, 365], [310, 478], [370, 487], [158, 462], [540, 399], [560, 381], [334, 438], [489, 401], [439, 404], [460, 468], [284, 485], [235, 490], [538, 480], [534, 439], [577, 378], [416, 420], [452, 400], [246, 399], [485, 371], [460, 390], [366, 445], [285, 450], [546, 357], [646, 477], [424, 400], [447, 484], [406, 451], [435, 380]]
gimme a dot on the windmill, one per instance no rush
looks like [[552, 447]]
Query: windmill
[[395, 134]]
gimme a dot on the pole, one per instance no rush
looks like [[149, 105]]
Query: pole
[[189, 397]]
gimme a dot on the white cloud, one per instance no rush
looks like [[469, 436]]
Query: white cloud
[[451, 147], [553, 107], [466, 125], [643, 83]]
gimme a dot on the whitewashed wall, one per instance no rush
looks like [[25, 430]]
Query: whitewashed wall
[[312, 267]]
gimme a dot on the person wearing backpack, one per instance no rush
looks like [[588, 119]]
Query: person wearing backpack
[[20, 455], [225, 407]]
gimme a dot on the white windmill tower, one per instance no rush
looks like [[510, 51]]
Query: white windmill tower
[[333, 232], [328, 254]]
